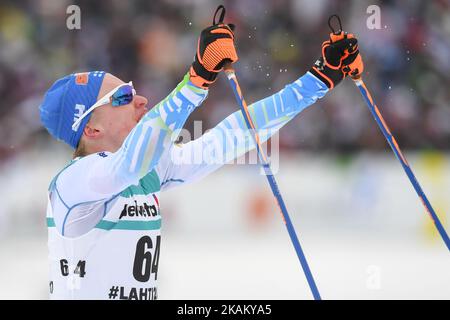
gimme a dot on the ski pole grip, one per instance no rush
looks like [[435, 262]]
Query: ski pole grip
[[228, 68]]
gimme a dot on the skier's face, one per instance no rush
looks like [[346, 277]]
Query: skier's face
[[109, 125]]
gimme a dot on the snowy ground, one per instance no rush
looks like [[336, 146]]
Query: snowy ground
[[359, 221], [262, 267]]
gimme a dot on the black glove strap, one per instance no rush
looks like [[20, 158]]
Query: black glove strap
[[202, 72], [335, 76]]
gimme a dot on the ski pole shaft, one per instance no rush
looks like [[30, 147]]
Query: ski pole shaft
[[398, 153], [230, 73]]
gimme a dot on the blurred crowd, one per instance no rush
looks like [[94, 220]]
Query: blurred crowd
[[153, 43]]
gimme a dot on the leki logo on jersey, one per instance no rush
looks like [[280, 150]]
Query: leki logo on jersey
[[136, 210], [79, 110]]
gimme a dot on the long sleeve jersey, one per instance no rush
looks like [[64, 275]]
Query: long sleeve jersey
[[103, 208]]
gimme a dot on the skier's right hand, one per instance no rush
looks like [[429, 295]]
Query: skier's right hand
[[340, 58], [215, 48]]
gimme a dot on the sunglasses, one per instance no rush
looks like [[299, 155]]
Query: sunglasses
[[119, 96]]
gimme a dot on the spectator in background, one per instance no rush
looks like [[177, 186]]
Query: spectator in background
[[409, 77]]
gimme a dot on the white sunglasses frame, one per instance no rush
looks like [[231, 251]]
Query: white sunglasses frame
[[102, 101]]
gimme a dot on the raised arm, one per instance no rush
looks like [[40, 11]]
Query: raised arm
[[104, 174], [231, 139]]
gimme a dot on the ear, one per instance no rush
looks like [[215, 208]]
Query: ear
[[91, 132]]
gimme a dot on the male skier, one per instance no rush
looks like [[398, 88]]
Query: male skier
[[103, 212]]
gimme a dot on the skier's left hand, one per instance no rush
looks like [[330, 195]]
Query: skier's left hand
[[340, 58], [351, 62]]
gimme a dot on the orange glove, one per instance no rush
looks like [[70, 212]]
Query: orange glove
[[215, 48], [351, 62], [340, 57]]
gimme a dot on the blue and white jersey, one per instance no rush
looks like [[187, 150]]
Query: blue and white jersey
[[103, 213]]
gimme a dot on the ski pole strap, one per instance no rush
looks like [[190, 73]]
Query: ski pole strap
[[222, 14], [331, 27]]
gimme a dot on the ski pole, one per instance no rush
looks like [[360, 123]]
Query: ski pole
[[398, 153], [232, 79], [230, 73], [357, 79]]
